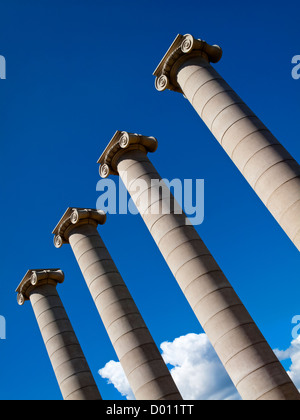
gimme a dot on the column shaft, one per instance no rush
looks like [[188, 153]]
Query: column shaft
[[70, 366], [140, 358], [244, 352], [267, 166]]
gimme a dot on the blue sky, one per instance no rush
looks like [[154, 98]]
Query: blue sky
[[77, 71]]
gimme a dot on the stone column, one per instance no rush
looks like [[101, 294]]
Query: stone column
[[244, 352], [139, 356], [267, 166], [72, 372]]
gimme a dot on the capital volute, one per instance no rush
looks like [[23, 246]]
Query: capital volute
[[36, 278], [121, 143], [184, 47], [74, 217]]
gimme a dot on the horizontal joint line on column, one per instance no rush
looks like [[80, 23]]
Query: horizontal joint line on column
[[65, 346], [281, 217], [44, 297], [94, 263], [226, 107], [60, 333], [258, 130], [232, 329], [154, 380], [159, 214], [145, 363], [133, 330], [54, 322], [191, 75], [75, 374], [113, 303], [257, 369], [105, 274], [82, 239], [125, 316], [137, 161], [231, 125], [70, 360], [216, 94], [49, 310], [275, 387], [109, 287], [91, 249], [219, 312], [138, 347], [210, 293], [166, 397], [202, 275], [83, 387], [163, 215], [246, 348], [194, 258], [270, 167], [296, 234], [208, 81], [184, 243], [170, 231], [269, 199], [148, 186]]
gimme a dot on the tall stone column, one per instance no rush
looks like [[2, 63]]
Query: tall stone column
[[139, 356], [267, 166], [244, 352], [71, 369]]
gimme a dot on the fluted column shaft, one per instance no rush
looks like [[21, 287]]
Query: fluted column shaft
[[139, 356], [270, 170], [71, 369], [245, 354]]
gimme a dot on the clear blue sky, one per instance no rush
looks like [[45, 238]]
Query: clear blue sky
[[77, 71]]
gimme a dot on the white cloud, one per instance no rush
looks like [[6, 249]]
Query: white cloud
[[196, 370], [293, 354], [114, 372]]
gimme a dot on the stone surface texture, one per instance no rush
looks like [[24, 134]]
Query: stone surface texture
[[138, 354], [71, 369], [270, 170], [244, 352]]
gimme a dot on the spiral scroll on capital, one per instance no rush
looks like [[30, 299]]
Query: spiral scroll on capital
[[188, 43], [74, 217], [124, 140], [104, 170], [58, 241], [162, 83], [20, 299]]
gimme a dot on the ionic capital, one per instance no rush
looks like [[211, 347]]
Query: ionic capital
[[36, 278], [120, 143], [74, 217], [184, 47]]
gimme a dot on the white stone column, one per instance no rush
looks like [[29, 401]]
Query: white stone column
[[244, 352], [267, 166], [139, 356], [71, 369]]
